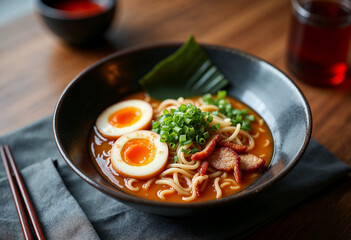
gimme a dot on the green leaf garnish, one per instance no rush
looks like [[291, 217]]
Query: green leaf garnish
[[187, 72]]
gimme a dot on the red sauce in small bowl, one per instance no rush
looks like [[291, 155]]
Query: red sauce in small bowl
[[79, 7]]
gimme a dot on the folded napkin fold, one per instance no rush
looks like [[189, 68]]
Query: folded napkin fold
[[69, 208]]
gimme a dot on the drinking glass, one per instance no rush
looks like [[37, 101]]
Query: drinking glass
[[319, 41]]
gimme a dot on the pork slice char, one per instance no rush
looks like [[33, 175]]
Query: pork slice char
[[202, 171], [251, 162], [226, 159], [207, 151], [238, 148], [203, 168]]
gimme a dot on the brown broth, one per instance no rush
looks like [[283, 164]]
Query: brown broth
[[97, 147]]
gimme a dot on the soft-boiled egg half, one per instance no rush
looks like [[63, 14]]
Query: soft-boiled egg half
[[124, 117], [139, 155]]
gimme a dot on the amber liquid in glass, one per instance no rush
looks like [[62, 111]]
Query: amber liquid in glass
[[318, 53]]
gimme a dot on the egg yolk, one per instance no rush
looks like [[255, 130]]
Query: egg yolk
[[138, 152], [125, 117]]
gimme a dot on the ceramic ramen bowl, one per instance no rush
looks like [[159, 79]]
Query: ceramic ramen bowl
[[255, 82]]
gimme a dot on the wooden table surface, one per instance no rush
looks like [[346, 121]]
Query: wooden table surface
[[35, 67]]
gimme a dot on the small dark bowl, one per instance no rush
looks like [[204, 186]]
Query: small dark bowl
[[253, 81], [76, 29]]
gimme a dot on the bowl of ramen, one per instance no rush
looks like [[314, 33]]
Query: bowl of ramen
[[180, 156]]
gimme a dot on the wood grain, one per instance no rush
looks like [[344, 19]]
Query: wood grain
[[35, 67]]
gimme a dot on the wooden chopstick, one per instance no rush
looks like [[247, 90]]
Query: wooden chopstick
[[16, 197], [7, 156]]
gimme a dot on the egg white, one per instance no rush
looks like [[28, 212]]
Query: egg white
[[149, 170], [108, 130]]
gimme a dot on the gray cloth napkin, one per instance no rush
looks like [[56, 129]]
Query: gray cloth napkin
[[69, 208], [51, 200]]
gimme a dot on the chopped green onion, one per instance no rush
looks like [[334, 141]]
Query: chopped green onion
[[191, 131], [201, 129], [251, 118], [183, 150], [182, 138], [245, 111], [194, 150], [173, 135], [156, 130], [163, 138], [176, 159], [176, 129], [207, 97], [222, 102], [168, 120], [184, 125], [183, 108], [206, 135], [165, 128], [186, 142], [246, 125], [202, 141], [236, 116], [155, 124], [188, 120], [236, 112], [221, 94]]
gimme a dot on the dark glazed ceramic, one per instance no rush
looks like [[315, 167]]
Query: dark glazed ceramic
[[255, 82], [72, 29]]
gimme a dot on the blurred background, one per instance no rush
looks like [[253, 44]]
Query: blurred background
[[10, 10]]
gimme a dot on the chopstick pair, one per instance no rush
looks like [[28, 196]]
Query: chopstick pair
[[8, 160]]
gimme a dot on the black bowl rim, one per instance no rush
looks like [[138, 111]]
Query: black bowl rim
[[191, 205], [54, 13]]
